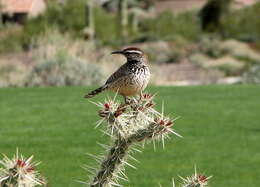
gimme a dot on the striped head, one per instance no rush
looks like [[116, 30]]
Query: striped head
[[133, 54]]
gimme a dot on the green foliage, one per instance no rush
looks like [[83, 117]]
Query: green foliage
[[167, 26], [243, 24], [12, 42], [69, 17], [107, 28], [212, 13]]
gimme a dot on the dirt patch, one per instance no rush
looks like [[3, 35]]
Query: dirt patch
[[22, 58], [183, 74], [178, 6]]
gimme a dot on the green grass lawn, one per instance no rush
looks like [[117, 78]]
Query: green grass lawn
[[220, 125]]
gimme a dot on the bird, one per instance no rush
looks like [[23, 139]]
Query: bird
[[131, 78]]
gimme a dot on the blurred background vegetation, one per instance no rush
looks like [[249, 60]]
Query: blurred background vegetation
[[69, 43]]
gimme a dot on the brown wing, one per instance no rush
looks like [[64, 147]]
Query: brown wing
[[121, 72]]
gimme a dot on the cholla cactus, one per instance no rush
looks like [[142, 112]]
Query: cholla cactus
[[138, 115], [123, 17], [19, 172], [196, 180], [89, 31], [128, 124]]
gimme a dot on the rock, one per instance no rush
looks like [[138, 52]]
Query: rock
[[230, 80]]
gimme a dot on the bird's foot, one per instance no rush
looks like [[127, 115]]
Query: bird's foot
[[127, 100]]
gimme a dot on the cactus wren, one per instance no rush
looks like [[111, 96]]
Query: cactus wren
[[131, 78]]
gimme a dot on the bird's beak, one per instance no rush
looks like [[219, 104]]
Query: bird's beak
[[117, 52]]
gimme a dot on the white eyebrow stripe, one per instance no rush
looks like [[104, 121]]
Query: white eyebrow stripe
[[134, 51]]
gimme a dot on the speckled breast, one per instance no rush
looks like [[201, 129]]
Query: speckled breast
[[134, 83]]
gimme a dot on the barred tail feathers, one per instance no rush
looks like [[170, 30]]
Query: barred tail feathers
[[96, 91]]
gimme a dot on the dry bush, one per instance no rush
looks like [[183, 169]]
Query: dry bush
[[61, 61], [226, 64], [216, 48], [12, 75], [253, 75], [58, 60], [240, 50], [64, 70], [160, 52], [231, 57]]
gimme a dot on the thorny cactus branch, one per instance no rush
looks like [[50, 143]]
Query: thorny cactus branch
[[196, 180], [119, 151], [128, 124], [112, 162], [19, 172]]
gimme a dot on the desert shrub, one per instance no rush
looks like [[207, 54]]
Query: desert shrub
[[14, 41], [63, 70], [240, 50], [12, 75], [229, 56], [158, 52], [59, 60], [167, 26], [71, 18], [253, 75], [229, 66], [216, 48], [11, 39], [199, 59], [59, 16], [8, 45], [53, 42], [210, 47], [226, 64], [165, 52], [243, 24], [68, 18], [108, 29], [5, 71]]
